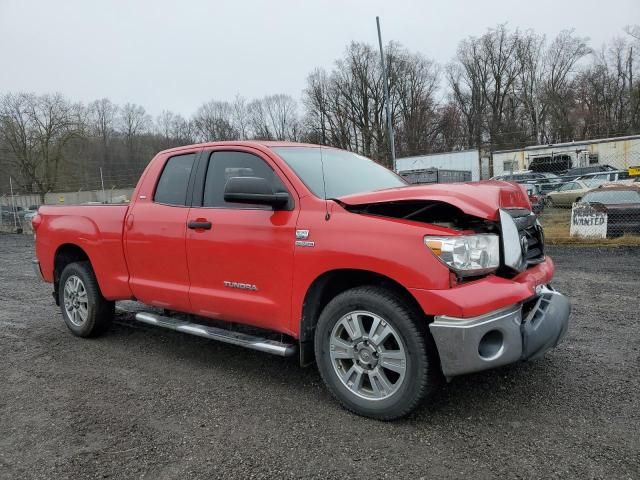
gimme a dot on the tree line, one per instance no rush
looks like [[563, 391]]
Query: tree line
[[504, 89]]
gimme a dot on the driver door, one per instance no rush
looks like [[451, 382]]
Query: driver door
[[241, 266]]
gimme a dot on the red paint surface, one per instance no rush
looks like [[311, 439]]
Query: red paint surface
[[145, 251]]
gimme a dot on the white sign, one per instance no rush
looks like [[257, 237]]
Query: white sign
[[587, 221]]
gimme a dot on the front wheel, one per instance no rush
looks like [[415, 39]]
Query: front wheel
[[85, 311], [374, 353]]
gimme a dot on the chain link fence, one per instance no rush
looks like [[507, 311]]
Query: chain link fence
[[601, 206], [17, 210]]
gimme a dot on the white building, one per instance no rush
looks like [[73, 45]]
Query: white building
[[462, 161], [620, 152]]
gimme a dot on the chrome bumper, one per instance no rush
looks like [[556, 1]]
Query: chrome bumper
[[498, 338]]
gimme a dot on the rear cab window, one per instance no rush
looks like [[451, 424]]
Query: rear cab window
[[173, 184]]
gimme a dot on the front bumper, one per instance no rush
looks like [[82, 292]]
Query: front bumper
[[524, 331]]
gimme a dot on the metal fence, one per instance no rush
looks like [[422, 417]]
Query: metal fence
[[436, 175], [16, 211], [597, 206]]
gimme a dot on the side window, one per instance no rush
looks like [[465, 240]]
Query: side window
[[174, 180], [224, 165]]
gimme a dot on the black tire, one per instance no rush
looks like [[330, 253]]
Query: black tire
[[422, 368], [99, 311]]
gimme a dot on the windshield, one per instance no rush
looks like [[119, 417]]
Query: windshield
[[344, 172], [593, 182], [613, 197]]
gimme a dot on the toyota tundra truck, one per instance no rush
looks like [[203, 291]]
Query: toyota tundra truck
[[296, 249]]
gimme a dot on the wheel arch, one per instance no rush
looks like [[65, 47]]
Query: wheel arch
[[65, 254], [331, 283]]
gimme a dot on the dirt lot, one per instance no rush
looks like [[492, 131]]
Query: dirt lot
[[148, 403]]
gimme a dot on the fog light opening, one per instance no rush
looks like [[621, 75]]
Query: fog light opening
[[491, 345]]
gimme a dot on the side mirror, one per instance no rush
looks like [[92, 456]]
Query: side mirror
[[254, 190]]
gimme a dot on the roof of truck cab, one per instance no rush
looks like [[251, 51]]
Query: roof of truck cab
[[244, 143]]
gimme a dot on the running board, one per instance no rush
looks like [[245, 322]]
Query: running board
[[235, 338]]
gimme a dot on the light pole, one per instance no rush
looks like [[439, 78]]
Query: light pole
[[386, 98]]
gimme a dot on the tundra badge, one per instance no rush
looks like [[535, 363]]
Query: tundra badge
[[241, 286]]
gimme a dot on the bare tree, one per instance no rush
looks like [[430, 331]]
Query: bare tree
[[530, 84], [467, 77], [214, 121], [133, 124], [240, 117], [415, 85], [607, 100], [173, 130], [36, 130], [561, 59], [102, 115], [274, 117]]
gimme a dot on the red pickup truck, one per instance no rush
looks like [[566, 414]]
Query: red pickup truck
[[291, 248]]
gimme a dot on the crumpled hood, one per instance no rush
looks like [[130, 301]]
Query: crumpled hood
[[480, 199]]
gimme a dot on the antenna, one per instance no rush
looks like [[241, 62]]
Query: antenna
[[324, 189], [104, 198]]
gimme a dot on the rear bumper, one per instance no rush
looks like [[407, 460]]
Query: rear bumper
[[497, 338]]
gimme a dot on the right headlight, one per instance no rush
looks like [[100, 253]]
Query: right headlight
[[467, 254]]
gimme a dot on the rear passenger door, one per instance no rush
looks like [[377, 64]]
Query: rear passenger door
[[155, 230], [241, 265]]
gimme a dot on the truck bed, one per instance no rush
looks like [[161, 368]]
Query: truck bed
[[98, 231]]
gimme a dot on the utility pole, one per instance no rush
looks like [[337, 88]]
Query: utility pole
[[104, 197], [13, 205], [386, 98]]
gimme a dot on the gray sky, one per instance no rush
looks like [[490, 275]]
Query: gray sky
[[176, 55]]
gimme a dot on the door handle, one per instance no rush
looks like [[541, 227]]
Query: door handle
[[199, 224]]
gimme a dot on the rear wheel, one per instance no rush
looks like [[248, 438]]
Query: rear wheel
[[85, 311], [374, 353]]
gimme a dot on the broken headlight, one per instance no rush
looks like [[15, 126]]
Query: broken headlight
[[467, 254]]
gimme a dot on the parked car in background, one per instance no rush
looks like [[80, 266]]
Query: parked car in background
[[546, 181], [536, 197], [612, 176], [569, 193], [29, 214], [578, 171], [8, 213], [527, 176], [622, 205]]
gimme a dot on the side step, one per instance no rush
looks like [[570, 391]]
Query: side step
[[219, 334]]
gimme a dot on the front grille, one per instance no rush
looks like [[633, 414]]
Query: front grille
[[529, 229]]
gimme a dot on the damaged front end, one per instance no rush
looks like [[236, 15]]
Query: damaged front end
[[501, 235], [500, 309]]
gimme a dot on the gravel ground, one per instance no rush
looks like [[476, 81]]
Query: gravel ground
[[148, 403]]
